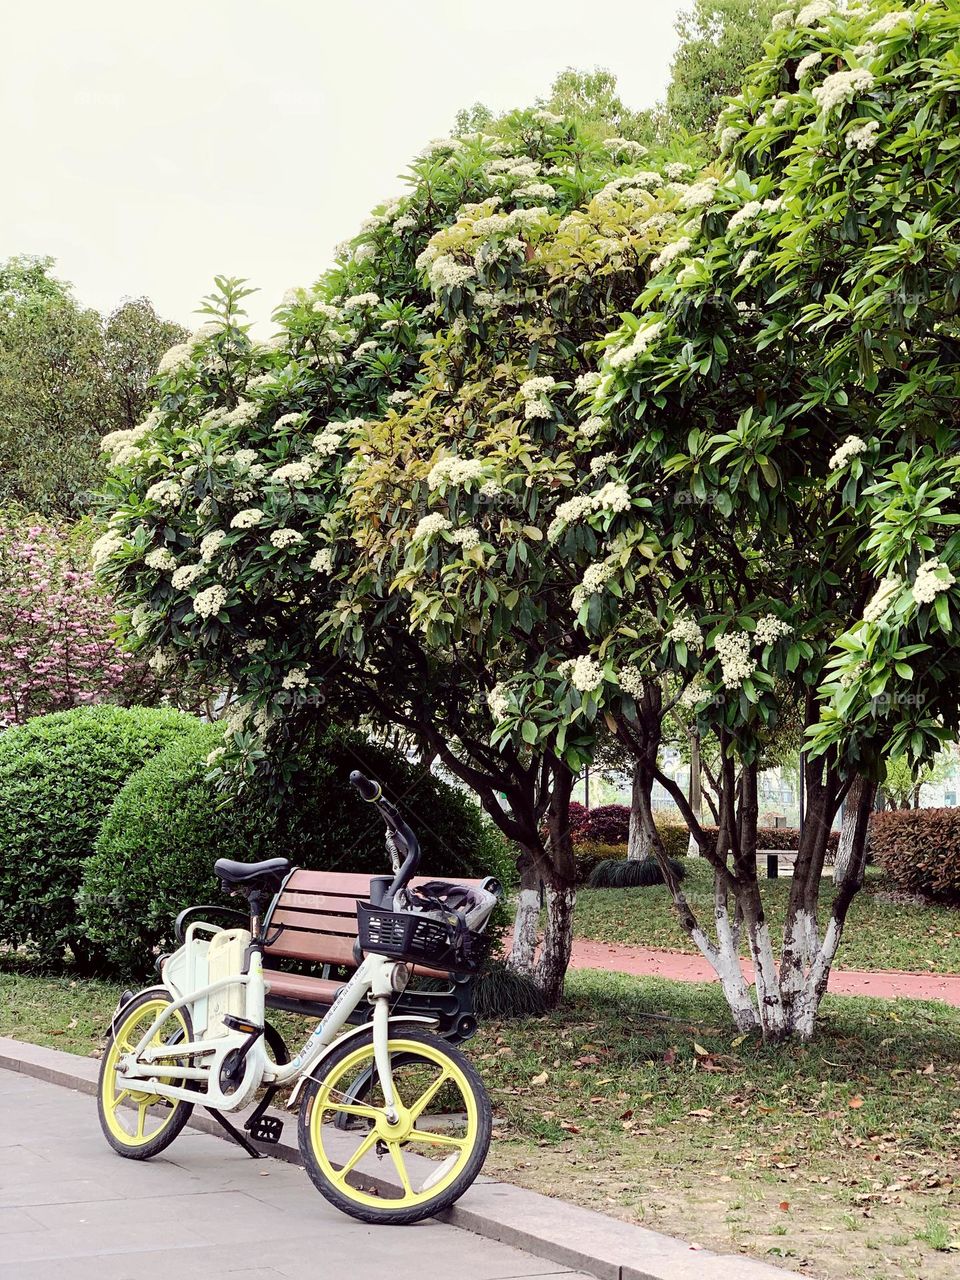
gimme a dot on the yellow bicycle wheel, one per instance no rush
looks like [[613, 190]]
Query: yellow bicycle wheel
[[427, 1158], [137, 1123]]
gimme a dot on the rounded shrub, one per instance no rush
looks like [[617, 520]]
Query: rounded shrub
[[169, 824], [155, 854], [608, 824], [59, 775], [919, 849]]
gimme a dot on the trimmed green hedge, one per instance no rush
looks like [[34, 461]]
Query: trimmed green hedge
[[919, 849], [167, 827], [59, 775]]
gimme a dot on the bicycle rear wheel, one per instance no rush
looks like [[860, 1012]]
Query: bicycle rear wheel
[[430, 1156]]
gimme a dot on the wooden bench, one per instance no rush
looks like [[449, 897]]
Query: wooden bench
[[312, 924]]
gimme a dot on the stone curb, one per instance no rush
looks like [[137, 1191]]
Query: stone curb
[[563, 1233]]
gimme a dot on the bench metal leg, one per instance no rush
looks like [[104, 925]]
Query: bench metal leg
[[773, 866]]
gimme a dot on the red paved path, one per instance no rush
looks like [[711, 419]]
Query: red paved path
[[649, 963]]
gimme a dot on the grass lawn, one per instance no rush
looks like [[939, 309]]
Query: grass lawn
[[879, 934], [840, 1158]]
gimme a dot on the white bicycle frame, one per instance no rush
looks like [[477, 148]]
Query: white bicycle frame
[[377, 978]]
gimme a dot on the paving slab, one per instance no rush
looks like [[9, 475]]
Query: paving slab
[[74, 1209]]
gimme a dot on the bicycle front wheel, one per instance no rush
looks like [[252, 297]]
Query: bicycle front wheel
[[427, 1158]]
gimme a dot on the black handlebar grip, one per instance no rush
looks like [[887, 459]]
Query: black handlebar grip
[[369, 790]]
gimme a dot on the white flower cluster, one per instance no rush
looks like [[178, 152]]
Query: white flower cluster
[[247, 519], [728, 137], [932, 577], [104, 547], [327, 442], [165, 493], [583, 673], [625, 147], [631, 352], [296, 679], [292, 473], [447, 273], [695, 693], [594, 576], [586, 382], [534, 392], [612, 497], [865, 138], [747, 261], [882, 598], [601, 463], [322, 561], [811, 14], [591, 427], [669, 252], [536, 191], [631, 681], [429, 526], [244, 459], [746, 213], [735, 661], [467, 537], [454, 471], [842, 86], [255, 646], [686, 631], [807, 63], [889, 22], [849, 449], [770, 629], [399, 397], [210, 544], [289, 420], [699, 194], [358, 300], [185, 576], [160, 558], [178, 357], [781, 20], [283, 538], [498, 702], [676, 170], [567, 512], [208, 603]]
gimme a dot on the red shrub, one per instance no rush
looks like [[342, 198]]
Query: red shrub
[[919, 849], [609, 824]]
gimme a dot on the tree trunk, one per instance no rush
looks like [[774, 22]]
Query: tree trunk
[[526, 925], [862, 791], [696, 793], [638, 842]]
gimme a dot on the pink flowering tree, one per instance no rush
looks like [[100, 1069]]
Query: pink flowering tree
[[58, 644]]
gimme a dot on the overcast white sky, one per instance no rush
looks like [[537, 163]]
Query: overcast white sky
[[150, 145]]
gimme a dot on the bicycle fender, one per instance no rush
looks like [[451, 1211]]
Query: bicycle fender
[[352, 1035]]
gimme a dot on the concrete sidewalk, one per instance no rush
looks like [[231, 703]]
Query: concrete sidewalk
[[70, 1209]]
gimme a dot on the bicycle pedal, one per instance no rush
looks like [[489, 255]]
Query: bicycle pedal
[[266, 1129]]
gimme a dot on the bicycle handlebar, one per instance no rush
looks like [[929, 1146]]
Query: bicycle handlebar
[[406, 842]]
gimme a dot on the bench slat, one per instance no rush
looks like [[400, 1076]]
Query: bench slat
[[315, 921]]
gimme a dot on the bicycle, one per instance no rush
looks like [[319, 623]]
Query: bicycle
[[387, 1087]]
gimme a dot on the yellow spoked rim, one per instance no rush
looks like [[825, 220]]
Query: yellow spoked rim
[[133, 1115], [425, 1150]]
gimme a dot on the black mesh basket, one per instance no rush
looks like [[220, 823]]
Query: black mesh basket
[[419, 939]]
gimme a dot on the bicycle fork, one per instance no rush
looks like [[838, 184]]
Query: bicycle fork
[[381, 1055]]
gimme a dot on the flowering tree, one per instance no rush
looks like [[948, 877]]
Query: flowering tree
[[467, 502], [244, 531], [779, 356], [58, 643]]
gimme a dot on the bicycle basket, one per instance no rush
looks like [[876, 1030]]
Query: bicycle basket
[[419, 939]]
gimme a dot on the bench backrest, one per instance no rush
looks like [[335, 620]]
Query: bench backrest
[[318, 912]]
